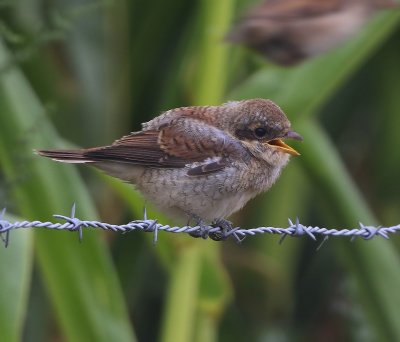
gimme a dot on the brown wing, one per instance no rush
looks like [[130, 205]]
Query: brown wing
[[290, 9], [185, 142], [138, 148]]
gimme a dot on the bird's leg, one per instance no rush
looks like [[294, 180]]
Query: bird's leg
[[226, 227], [203, 231]]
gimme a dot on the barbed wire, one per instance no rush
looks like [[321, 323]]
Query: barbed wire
[[214, 231]]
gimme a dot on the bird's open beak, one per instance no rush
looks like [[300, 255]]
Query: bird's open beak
[[279, 144]]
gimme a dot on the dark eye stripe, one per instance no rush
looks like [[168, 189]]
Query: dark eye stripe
[[259, 133], [244, 134]]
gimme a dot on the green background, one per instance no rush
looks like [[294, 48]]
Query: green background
[[83, 73]]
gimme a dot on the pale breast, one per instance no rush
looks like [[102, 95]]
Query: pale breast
[[212, 196]]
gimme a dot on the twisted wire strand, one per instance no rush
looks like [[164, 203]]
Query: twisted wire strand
[[295, 229]]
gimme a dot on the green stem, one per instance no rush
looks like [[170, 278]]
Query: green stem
[[213, 54], [182, 296], [184, 293]]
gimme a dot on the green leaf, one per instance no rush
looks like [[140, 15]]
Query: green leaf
[[80, 278], [375, 264], [15, 274], [300, 92]]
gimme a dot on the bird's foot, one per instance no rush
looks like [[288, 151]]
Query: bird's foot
[[203, 230], [226, 230]]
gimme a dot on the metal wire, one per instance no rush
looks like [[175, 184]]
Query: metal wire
[[294, 229]]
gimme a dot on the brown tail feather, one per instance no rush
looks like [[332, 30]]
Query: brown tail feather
[[66, 156]]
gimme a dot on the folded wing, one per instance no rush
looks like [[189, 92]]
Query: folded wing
[[173, 146]]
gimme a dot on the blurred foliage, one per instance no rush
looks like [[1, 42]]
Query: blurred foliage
[[93, 71]]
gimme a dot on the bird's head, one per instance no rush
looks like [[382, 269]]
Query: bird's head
[[262, 127]]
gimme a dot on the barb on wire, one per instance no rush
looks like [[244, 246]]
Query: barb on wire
[[296, 229]]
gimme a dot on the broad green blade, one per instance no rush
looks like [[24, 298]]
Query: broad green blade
[[374, 263], [15, 274], [80, 278]]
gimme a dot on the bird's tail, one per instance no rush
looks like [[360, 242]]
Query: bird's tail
[[66, 156]]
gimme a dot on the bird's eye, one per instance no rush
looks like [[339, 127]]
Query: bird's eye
[[260, 132]]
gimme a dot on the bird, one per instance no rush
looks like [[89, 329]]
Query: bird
[[199, 162], [288, 32]]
